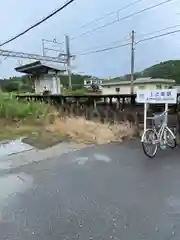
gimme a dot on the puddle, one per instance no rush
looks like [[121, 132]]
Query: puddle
[[102, 157], [81, 160], [14, 147], [96, 157]]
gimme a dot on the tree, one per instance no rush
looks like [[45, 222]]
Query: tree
[[77, 80], [168, 70], [16, 84]]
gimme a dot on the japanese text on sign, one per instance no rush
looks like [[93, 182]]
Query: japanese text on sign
[[157, 96]]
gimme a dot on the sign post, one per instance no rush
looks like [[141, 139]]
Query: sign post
[[164, 96]]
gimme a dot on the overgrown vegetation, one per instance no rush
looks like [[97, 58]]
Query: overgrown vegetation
[[21, 118], [17, 84], [43, 126], [89, 132], [11, 109]]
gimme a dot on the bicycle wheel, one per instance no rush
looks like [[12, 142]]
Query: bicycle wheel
[[169, 138], [150, 143]]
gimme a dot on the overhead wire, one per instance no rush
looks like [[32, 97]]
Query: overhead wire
[[114, 42], [104, 49], [157, 36], [38, 23], [109, 14], [128, 38], [123, 45], [121, 19], [157, 31]]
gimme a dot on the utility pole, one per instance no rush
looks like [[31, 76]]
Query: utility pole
[[132, 61], [68, 60], [43, 47]]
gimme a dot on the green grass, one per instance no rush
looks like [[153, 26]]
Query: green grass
[[12, 109], [26, 119]]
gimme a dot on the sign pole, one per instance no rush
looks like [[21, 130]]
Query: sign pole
[[145, 116], [166, 115]]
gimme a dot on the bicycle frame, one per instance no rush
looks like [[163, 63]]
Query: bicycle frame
[[161, 131]]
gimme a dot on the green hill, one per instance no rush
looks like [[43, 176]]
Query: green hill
[[169, 70]]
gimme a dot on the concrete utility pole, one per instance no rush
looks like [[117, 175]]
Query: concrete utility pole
[[68, 60], [132, 61], [43, 47]]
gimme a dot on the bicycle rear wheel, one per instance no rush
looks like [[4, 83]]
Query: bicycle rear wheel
[[150, 143]]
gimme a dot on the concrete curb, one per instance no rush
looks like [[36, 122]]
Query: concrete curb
[[35, 155]]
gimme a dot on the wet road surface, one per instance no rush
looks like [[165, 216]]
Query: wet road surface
[[101, 193]]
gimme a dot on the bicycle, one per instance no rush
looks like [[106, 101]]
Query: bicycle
[[158, 138]]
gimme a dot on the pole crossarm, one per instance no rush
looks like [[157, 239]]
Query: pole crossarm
[[7, 53]]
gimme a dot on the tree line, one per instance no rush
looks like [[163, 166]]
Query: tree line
[[168, 70]]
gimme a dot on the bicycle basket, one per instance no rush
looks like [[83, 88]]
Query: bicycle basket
[[158, 121]]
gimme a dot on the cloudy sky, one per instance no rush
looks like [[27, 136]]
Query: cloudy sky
[[17, 15]]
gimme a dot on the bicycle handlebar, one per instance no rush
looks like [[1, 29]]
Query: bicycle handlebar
[[162, 114]]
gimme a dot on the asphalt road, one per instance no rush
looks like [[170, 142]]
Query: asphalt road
[[100, 193]]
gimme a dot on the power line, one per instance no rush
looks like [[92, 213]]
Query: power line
[[160, 30], [38, 23], [115, 42], [123, 45], [104, 49], [128, 38], [95, 29], [121, 19], [109, 14], [158, 36]]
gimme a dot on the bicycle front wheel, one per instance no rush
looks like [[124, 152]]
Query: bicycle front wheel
[[150, 143], [169, 138]]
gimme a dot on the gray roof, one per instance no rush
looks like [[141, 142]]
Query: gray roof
[[53, 65], [140, 81], [37, 65]]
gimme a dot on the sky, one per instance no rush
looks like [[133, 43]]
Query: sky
[[17, 15]]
